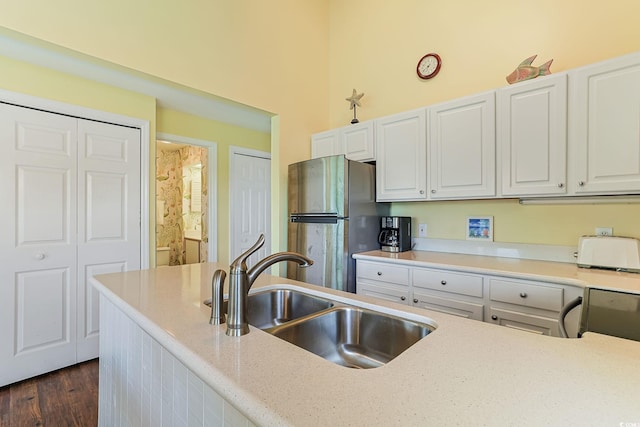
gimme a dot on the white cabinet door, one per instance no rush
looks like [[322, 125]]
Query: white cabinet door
[[385, 291], [462, 145], [325, 144], [444, 304], [358, 141], [524, 322], [604, 126], [401, 157], [532, 137], [71, 191]]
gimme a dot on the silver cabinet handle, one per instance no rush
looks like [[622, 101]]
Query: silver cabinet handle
[[581, 183], [40, 256], [379, 273], [421, 191], [433, 191], [443, 282], [403, 298], [494, 317], [560, 185], [415, 300], [523, 294]]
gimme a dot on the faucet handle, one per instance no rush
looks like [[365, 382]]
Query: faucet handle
[[217, 298], [239, 265]]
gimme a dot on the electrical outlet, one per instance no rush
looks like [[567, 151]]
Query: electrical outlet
[[422, 230], [604, 231]]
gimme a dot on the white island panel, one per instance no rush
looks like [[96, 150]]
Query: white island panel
[[143, 384]]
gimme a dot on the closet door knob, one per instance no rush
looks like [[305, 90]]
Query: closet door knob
[[494, 317], [560, 185], [403, 298], [40, 256], [523, 294], [415, 300], [443, 282], [581, 183], [379, 273]]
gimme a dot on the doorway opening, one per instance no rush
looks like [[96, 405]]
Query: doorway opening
[[185, 206]]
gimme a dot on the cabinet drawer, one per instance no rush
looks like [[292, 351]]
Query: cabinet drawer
[[456, 283], [528, 295], [383, 272]]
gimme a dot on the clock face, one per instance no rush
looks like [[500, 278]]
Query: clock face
[[428, 66]]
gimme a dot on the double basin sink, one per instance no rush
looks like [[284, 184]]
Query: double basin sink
[[343, 334]]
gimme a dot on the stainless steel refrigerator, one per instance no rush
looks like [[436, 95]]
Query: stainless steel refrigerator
[[332, 214]]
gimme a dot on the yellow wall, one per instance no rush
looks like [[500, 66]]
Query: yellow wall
[[375, 46], [20, 77], [224, 135], [272, 54], [300, 59]]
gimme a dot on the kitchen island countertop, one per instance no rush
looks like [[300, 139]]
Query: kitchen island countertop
[[464, 373]]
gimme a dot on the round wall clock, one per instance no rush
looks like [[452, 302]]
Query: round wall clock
[[429, 66]]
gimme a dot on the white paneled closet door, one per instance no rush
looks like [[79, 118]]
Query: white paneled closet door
[[67, 206], [108, 216]]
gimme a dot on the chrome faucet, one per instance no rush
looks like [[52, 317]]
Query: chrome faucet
[[241, 279]]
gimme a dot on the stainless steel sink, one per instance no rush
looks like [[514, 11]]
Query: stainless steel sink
[[353, 337], [274, 307], [343, 334]]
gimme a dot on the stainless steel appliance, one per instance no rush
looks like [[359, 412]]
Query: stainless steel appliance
[[395, 233], [332, 214], [606, 311]]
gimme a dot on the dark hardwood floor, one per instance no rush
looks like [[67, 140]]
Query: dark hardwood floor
[[68, 397]]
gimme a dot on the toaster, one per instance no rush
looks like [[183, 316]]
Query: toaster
[[617, 253]]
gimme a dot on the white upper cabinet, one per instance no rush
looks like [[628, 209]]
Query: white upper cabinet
[[401, 149], [532, 137], [604, 127], [462, 148], [325, 144], [358, 141]]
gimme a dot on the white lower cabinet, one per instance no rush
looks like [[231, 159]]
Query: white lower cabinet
[[453, 293], [520, 304], [382, 280]]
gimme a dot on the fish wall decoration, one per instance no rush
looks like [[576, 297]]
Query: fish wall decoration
[[526, 71]]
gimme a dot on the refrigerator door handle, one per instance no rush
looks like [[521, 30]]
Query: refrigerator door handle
[[315, 219]]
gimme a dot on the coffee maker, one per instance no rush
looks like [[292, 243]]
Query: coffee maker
[[395, 234]]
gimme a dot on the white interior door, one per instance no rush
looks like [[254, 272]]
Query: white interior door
[[108, 216], [37, 242], [67, 203], [250, 202]]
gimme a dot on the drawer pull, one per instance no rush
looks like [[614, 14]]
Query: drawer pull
[[494, 317], [379, 273], [415, 300], [403, 298], [443, 282], [523, 294]]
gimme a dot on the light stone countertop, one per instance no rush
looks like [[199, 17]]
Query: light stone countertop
[[464, 373], [556, 272]]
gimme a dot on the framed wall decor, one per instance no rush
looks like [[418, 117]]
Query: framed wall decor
[[480, 228]]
